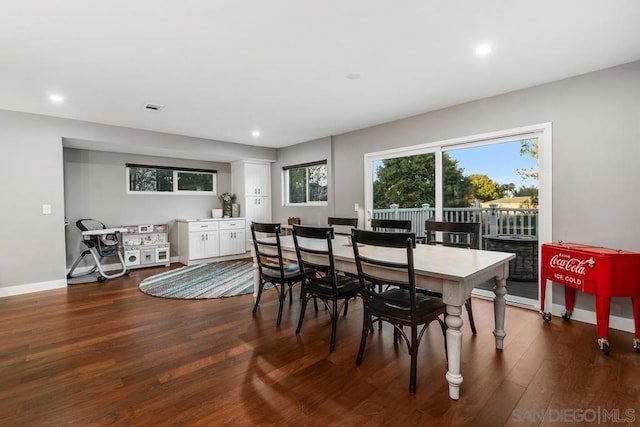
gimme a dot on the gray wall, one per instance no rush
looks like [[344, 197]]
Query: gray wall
[[95, 187], [32, 248], [596, 153]]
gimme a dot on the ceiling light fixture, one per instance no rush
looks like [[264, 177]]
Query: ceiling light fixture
[[255, 133], [353, 76], [56, 98], [483, 49]]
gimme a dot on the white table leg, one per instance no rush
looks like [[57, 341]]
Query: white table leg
[[454, 348], [499, 307]]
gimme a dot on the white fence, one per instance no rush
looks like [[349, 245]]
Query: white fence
[[493, 220]]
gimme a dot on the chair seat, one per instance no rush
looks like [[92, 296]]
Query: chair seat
[[396, 305], [347, 287], [290, 271]]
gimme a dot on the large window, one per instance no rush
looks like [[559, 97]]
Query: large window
[[305, 184], [145, 179]]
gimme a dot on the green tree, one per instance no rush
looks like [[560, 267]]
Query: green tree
[[484, 188], [298, 185], [529, 147], [508, 190], [410, 182]]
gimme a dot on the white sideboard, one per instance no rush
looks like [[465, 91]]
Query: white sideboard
[[207, 240]]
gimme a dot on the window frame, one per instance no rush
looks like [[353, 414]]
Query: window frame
[[176, 172], [286, 181]]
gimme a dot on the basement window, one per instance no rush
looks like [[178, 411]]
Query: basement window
[[147, 179]]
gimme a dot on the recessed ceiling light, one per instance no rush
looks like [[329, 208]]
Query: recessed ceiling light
[[56, 98], [483, 49], [255, 133], [353, 76]]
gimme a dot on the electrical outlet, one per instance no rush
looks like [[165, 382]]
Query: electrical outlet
[[46, 209]]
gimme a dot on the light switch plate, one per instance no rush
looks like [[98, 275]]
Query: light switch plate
[[46, 209]]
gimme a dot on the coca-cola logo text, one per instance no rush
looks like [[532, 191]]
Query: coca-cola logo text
[[571, 265]]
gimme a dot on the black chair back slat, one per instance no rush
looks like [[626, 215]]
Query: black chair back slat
[[391, 224]]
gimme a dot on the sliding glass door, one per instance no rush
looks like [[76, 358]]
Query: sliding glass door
[[492, 179]]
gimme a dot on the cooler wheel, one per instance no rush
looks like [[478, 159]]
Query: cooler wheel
[[604, 345], [566, 315], [101, 279], [636, 344], [546, 317]]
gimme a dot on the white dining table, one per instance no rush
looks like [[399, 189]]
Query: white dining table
[[452, 271]]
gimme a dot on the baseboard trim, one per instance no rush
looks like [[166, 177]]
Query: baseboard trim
[[32, 287], [615, 322]]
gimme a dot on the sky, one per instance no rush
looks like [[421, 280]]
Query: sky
[[498, 161]]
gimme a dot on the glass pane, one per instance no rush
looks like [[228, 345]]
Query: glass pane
[[318, 183], [408, 182], [504, 175], [298, 185], [150, 179], [164, 180], [190, 181]]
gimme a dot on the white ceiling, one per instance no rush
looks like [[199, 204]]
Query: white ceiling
[[223, 68]]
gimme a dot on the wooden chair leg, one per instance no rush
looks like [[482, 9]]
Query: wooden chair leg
[[257, 303], [302, 310], [334, 324], [282, 295], [366, 326], [472, 324]]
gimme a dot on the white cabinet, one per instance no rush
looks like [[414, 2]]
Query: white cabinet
[[257, 209], [197, 240], [251, 182], [257, 179], [232, 237], [202, 240], [203, 244]]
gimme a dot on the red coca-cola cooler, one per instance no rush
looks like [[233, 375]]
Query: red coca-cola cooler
[[595, 270]]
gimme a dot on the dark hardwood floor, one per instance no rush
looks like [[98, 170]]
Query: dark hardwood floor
[[107, 354]]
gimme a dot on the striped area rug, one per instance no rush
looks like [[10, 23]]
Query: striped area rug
[[215, 280]]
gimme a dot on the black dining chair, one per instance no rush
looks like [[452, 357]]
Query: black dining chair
[[459, 235], [342, 223], [273, 269], [320, 280], [391, 225], [400, 305]]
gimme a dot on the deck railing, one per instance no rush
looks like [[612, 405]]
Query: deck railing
[[493, 220]]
